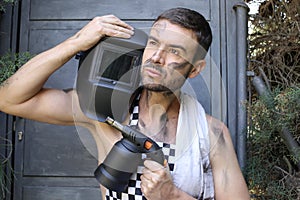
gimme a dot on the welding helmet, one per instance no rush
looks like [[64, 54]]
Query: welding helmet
[[108, 74]]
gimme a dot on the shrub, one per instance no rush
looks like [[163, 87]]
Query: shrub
[[10, 62], [271, 169]]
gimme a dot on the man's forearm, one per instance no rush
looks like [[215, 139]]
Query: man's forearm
[[178, 194], [175, 194], [30, 78]]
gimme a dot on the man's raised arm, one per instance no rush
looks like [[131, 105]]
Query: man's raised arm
[[23, 93]]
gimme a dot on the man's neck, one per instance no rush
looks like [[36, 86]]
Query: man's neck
[[165, 99], [158, 114]]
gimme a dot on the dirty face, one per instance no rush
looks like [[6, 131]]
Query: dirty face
[[168, 57]]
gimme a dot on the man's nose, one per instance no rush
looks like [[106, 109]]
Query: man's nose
[[159, 56]]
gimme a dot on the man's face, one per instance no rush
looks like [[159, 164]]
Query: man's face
[[168, 57]]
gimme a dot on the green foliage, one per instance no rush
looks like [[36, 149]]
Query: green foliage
[[9, 63], [3, 3], [274, 54], [270, 165]]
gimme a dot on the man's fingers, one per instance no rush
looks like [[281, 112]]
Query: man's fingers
[[113, 26], [117, 31], [154, 166], [116, 21]]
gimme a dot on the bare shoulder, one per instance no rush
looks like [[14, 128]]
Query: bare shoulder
[[221, 145], [218, 131]]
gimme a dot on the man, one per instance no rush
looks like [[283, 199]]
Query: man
[[205, 167]]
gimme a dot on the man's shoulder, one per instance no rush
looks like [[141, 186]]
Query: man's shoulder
[[218, 132], [214, 123]]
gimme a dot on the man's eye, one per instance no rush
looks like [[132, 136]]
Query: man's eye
[[152, 43], [174, 51]]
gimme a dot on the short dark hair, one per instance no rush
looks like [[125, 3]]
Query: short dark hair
[[191, 20]]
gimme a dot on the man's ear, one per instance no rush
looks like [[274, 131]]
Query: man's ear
[[197, 68]]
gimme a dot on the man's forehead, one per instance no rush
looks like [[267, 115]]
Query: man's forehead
[[165, 30], [162, 24]]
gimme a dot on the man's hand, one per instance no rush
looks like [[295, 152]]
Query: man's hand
[[156, 181], [107, 25]]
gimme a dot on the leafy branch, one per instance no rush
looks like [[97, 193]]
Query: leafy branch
[[4, 3], [10, 63]]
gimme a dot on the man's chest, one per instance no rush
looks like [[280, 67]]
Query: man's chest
[[161, 129]]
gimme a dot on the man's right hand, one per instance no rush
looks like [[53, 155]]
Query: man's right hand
[[108, 25]]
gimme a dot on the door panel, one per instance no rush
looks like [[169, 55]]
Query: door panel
[[58, 193], [126, 9]]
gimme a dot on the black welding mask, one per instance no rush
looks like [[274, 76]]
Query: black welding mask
[[108, 74]]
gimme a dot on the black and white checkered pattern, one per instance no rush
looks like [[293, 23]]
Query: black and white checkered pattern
[[133, 192], [169, 152]]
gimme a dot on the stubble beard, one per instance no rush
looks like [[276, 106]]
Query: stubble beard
[[149, 83]]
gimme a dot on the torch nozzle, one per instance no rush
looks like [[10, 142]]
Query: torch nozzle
[[109, 120], [114, 124]]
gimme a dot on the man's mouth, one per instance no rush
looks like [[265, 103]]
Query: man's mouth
[[152, 72]]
